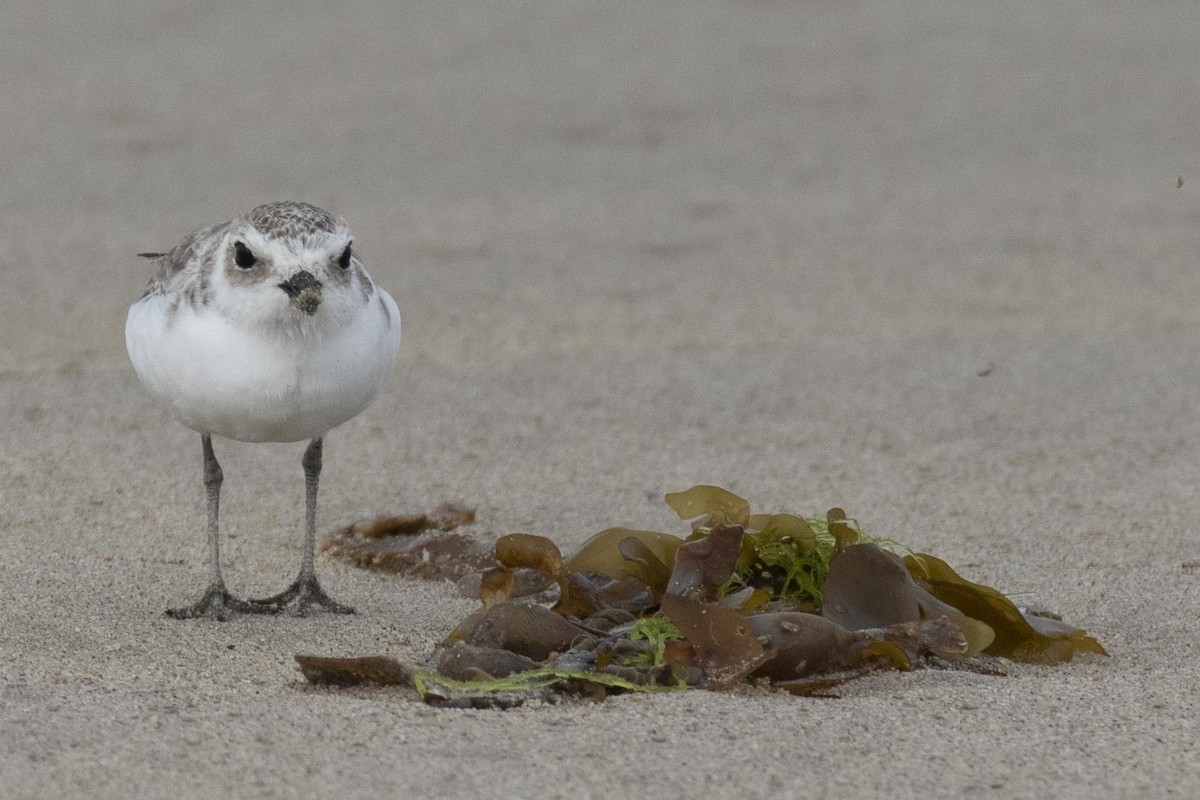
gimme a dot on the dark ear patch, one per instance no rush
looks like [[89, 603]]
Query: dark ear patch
[[344, 258], [242, 256]]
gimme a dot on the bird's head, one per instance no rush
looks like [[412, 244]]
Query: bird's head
[[289, 260]]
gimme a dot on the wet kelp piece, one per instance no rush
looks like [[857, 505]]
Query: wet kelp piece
[[379, 670], [603, 554], [622, 652], [496, 586], [723, 642], [785, 528], [1064, 633], [530, 631], [605, 595], [839, 526], [645, 566], [445, 517], [629, 659], [703, 565], [566, 587], [715, 506], [530, 551], [803, 644], [465, 662], [526, 550], [496, 693], [941, 637], [979, 635], [502, 584], [806, 644], [746, 599], [869, 588], [419, 545], [1015, 634]]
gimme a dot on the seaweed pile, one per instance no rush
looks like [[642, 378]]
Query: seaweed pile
[[800, 603]]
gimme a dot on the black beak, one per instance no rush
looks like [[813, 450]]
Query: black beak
[[305, 291], [299, 282]]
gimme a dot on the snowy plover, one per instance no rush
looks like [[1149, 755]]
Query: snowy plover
[[266, 328]]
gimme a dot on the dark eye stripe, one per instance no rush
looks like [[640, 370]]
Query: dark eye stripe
[[344, 258]]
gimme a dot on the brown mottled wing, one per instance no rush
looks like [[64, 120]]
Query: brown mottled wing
[[174, 262]]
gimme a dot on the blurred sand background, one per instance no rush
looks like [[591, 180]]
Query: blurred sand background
[[926, 261]]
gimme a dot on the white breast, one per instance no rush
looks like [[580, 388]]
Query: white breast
[[244, 383]]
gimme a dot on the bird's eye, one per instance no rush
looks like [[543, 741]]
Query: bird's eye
[[242, 256], [344, 258]]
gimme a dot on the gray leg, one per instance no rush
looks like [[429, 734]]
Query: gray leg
[[217, 603], [306, 592]]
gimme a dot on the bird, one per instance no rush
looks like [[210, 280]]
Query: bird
[[264, 328]]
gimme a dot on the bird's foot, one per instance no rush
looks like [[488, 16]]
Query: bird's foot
[[304, 595], [220, 605]]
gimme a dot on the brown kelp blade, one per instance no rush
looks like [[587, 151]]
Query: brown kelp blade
[[1015, 638], [526, 550], [465, 662], [843, 534], [724, 644], [602, 553], [804, 644], [717, 506], [704, 564], [531, 551], [419, 545], [867, 587], [645, 565], [527, 630], [380, 670]]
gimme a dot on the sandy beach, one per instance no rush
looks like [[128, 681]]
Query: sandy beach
[[931, 263]]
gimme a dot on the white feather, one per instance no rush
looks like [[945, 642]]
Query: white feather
[[249, 366]]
